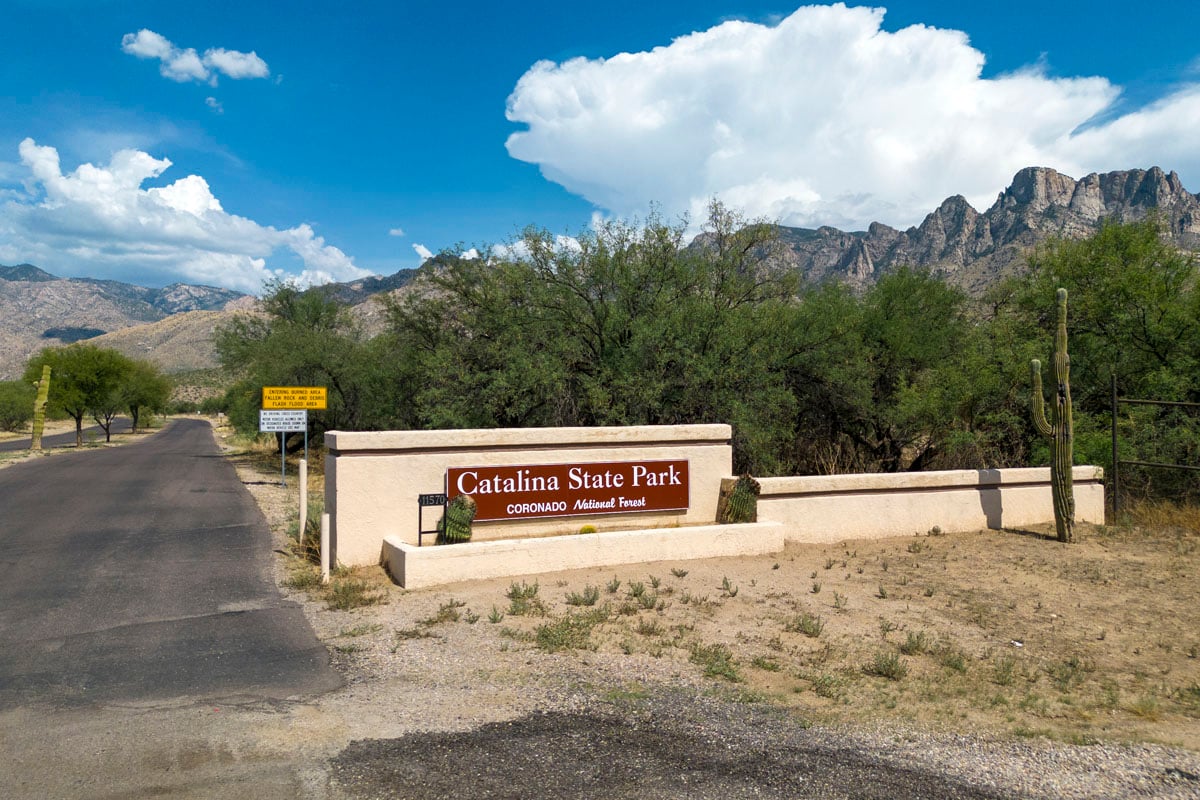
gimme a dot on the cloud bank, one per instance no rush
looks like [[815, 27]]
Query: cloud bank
[[100, 220], [825, 119], [184, 65]]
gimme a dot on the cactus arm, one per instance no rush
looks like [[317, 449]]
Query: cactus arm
[[1037, 405]]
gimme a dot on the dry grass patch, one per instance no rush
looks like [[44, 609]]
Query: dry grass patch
[[999, 631]]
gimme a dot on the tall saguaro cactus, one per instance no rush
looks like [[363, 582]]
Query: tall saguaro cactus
[[1058, 427], [39, 409]]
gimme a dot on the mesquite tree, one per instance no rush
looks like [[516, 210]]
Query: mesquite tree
[[1059, 427]]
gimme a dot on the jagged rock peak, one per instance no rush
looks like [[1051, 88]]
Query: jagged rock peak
[[1041, 187]]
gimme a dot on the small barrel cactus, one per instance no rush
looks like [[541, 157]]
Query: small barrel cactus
[[455, 525], [738, 501]]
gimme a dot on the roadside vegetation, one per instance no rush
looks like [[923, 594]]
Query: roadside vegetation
[[637, 326]]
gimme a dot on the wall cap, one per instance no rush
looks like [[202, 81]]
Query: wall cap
[[344, 442], [918, 481]]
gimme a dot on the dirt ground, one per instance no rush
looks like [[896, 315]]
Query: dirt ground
[[1005, 633]]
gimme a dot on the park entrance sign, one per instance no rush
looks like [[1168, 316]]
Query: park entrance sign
[[568, 490]]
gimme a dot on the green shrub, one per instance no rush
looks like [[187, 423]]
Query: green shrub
[[16, 405]]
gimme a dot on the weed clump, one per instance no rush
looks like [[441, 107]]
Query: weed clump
[[347, 592], [886, 665], [716, 660], [588, 597], [523, 600], [805, 623], [572, 632]]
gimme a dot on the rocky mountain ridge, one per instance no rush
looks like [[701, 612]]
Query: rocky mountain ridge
[[974, 250]]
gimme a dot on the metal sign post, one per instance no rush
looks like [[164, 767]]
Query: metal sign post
[[284, 422], [425, 501]]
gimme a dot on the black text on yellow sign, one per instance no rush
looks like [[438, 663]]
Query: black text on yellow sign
[[295, 397]]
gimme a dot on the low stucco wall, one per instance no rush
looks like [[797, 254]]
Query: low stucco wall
[[372, 479], [828, 508], [418, 567]]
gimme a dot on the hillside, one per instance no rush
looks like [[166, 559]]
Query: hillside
[[39, 310], [180, 343]]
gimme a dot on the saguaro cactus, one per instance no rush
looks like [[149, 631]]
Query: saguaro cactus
[[1058, 428], [455, 525], [39, 409]]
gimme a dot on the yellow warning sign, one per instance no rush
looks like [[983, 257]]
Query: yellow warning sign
[[294, 397]]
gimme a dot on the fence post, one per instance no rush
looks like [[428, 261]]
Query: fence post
[[324, 548], [303, 500], [1116, 468]]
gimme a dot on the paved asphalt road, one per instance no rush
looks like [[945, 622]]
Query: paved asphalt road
[[119, 425], [141, 573]]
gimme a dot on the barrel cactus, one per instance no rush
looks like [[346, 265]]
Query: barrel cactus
[[39, 409], [455, 525], [1058, 427], [738, 501]]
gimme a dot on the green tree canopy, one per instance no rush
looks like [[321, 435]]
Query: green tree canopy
[[143, 387], [16, 404], [301, 338], [86, 379]]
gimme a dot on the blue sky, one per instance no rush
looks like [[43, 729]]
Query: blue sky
[[327, 141]]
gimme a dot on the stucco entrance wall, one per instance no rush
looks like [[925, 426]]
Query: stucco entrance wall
[[373, 479], [832, 508]]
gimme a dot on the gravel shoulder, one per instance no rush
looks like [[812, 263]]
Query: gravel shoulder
[[436, 688]]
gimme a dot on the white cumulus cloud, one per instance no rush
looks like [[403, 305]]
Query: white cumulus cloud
[[99, 220], [185, 64], [825, 118], [424, 252], [236, 65], [396, 232]]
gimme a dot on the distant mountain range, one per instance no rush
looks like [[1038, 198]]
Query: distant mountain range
[[39, 310], [173, 326]]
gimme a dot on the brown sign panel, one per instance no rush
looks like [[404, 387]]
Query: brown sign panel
[[569, 490]]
